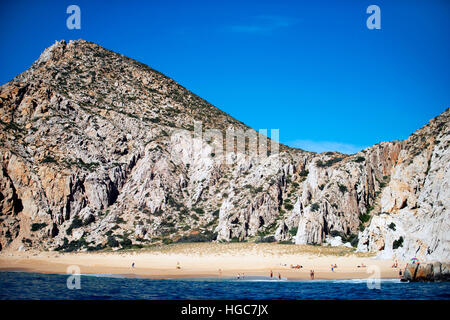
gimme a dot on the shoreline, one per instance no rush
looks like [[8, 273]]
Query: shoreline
[[248, 278], [206, 260]]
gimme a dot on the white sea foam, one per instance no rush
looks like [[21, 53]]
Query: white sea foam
[[363, 280], [103, 275]]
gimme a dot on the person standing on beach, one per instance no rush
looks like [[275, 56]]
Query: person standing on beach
[[279, 276], [311, 274], [132, 265], [271, 274]]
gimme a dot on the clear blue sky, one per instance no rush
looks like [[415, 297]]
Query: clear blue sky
[[311, 69]]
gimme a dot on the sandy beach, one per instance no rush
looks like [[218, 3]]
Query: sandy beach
[[209, 260]]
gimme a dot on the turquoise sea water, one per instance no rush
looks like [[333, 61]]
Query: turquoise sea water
[[20, 285]]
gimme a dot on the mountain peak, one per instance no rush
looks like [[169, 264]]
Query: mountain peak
[[84, 71], [56, 50]]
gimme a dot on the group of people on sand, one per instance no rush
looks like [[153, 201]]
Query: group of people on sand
[[271, 275], [362, 265], [395, 266], [311, 272]]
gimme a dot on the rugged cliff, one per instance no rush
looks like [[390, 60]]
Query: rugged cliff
[[98, 150], [414, 217]]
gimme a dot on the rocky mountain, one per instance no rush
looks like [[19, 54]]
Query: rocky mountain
[[100, 151]]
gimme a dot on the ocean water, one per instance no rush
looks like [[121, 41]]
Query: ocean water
[[35, 286]]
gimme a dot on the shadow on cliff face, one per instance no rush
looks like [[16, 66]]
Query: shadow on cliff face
[[18, 207]]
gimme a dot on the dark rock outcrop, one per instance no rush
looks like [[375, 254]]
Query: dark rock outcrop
[[426, 272]]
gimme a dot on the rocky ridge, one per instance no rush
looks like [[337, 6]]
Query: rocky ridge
[[100, 151]]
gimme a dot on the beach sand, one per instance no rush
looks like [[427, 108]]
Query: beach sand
[[205, 259]]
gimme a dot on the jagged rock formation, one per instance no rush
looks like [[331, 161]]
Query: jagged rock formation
[[426, 272], [414, 219], [98, 150]]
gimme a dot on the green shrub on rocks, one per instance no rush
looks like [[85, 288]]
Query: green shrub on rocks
[[342, 188], [397, 243], [293, 231], [38, 226], [199, 211], [206, 236], [126, 242], [267, 239], [74, 245], [96, 248], [76, 223], [288, 206], [335, 233], [355, 242], [328, 163], [352, 238], [48, 159], [364, 217], [303, 173], [315, 207], [112, 242], [119, 220]]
